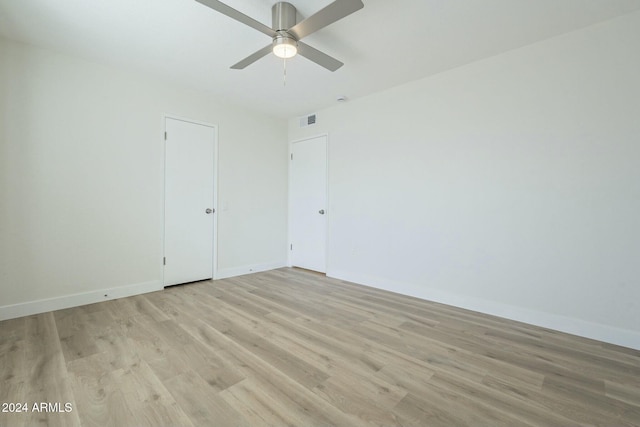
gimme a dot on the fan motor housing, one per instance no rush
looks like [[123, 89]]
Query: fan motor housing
[[283, 16]]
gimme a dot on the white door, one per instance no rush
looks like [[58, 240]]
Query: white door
[[188, 209], [309, 204]]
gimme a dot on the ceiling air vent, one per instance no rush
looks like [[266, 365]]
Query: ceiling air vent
[[308, 120]]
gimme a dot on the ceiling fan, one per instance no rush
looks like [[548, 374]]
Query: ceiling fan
[[286, 33]]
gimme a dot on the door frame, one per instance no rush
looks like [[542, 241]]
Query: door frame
[[327, 208], [215, 190]]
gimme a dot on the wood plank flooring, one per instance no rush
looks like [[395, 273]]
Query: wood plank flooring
[[293, 348]]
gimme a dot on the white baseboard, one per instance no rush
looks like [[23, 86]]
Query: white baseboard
[[583, 328], [248, 269], [74, 300]]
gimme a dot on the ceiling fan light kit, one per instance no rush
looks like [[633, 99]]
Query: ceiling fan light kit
[[286, 33], [284, 46]]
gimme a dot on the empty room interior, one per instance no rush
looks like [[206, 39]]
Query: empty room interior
[[320, 213]]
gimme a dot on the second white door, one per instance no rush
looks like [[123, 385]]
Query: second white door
[[189, 197], [309, 204]]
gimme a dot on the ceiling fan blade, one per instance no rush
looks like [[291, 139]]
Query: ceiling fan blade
[[253, 58], [327, 16], [238, 16], [318, 57]]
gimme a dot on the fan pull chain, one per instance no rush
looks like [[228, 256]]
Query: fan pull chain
[[284, 72]]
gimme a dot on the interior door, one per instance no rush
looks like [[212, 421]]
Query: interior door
[[309, 204], [189, 197]]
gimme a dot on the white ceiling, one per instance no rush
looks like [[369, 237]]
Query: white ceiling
[[385, 44]]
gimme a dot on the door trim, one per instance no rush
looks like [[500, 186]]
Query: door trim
[[215, 190], [328, 208]]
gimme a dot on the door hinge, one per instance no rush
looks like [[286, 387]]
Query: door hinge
[[291, 156], [164, 260], [165, 136], [291, 247]]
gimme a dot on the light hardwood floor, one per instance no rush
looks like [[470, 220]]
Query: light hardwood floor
[[293, 348]]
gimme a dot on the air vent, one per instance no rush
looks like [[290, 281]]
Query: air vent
[[308, 120]]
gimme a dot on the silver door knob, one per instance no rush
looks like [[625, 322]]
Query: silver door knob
[[321, 211], [208, 211]]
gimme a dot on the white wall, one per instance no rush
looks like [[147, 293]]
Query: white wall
[[509, 186], [81, 172]]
